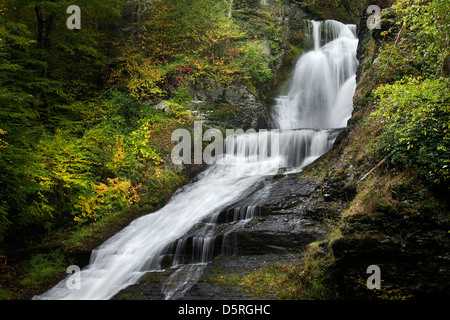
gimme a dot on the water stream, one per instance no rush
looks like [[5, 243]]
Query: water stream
[[308, 117]]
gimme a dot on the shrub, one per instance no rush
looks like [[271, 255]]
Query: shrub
[[427, 21], [107, 198], [42, 269], [416, 125], [254, 62]]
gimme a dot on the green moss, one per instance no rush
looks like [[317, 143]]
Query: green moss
[[6, 294], [223, 112], [224, 279], [182, 94], [43, 269], [305, 280], [384, 293], [269, 281]]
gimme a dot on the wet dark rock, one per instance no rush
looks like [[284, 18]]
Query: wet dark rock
[[248, 112], [207, 287], [232, 267], [273, 235], [287, 193], [411, 251]]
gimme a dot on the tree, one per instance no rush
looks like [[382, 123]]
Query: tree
[[230, 8]]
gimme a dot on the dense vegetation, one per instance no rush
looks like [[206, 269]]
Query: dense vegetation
[[79, 139], [74, 147], [415, 109]]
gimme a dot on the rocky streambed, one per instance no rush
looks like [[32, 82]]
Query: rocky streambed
[[271, 227]]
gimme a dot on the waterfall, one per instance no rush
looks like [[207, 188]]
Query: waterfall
[[320, 97], [324, 81], [308, 118]]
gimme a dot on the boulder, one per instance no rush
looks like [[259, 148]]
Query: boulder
[[232, 107]]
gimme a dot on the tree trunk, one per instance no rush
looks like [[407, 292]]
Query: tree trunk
[[44, 27], [48, 30], [40, 25], [230, 8], [447, 65], [284, 12]]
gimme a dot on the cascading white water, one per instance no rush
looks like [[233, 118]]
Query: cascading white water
[[124, 258], [323, 85], [320, 99]]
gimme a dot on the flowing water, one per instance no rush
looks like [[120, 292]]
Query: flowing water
[[308, 118]]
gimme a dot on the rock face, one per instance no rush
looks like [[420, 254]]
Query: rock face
[[412, 253], [232, 107]]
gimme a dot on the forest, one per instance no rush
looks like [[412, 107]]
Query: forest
[[84, 150], [76, 116]]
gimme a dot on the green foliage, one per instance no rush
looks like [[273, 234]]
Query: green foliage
[[45, 67], [84, 171], [416, 125], [414, 110], [43, 269], [254, 62], [106, 199], [397, 61], [342, 10], [428, 22], [182, 42], [421, 35], [182, 94], [186, 27], [6, 294], [142, 77]]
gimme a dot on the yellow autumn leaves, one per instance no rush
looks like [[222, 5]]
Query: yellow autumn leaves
[[107, 198]]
